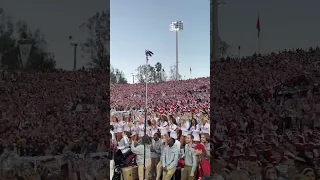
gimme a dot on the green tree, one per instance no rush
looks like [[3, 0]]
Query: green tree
[[163, 76], [117, 76], [96, 45], [172, 73], [223, 47], [154, 74], [39, 58], [159, 72], [11, 34], [146, 73]]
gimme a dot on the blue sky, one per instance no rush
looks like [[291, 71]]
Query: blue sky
[[145, 24]]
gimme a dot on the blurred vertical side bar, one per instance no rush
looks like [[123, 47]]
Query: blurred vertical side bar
[[107, 94], [214, 56]]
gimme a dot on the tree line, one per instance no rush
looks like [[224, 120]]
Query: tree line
[[156, 73], [12, 33]]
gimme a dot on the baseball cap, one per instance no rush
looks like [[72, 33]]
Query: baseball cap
[[199, 146]]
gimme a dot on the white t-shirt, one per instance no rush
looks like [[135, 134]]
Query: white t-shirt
[[141, 130], [134, 130], [113, 137], [177, 144], [178, 120], [149, 131], [173, 131], [163, 128], [195, 131], [115, 127], [205, 128], [185, 128], [153, 131], [120, 127], [126, 127]]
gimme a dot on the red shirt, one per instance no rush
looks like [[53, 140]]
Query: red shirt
[[203, 168]]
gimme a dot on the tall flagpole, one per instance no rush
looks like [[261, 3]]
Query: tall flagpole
[[145, 121], [145, 138], [146, 81]]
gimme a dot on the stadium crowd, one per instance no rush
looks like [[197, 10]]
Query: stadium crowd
[[52, 113], [171, 96], [266, 116], [177, 127]]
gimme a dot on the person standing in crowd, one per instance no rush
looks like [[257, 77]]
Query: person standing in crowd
[[178, 120], [205, 140], [113, 136], [195, 130], [115, 127], [123, 144], [140, 129], [155, 154], [205, 126], [163, 125], [164, 142], [169, 159], [133, 132], [138, 149], [203, 162], [190, 160], [173, 129], [126, 126], [184, 129], [154, 127]]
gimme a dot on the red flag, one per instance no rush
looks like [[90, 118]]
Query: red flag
[[258, 26], [190, 69]]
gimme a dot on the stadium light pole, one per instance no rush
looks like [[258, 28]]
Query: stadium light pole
[[75, 45], [176, 26]]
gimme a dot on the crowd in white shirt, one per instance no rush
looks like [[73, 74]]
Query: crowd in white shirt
[[175, 125]]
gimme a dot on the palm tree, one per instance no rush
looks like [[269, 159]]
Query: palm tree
[[158, 67]]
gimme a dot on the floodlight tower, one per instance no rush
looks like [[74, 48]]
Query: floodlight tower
[[75, 45], [176, 26]]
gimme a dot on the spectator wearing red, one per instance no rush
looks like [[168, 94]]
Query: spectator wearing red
[[203, 162]]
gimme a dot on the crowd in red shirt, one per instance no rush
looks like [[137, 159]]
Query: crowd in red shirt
[[267, 116]]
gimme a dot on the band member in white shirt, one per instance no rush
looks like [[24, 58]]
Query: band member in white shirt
[[133, 131], [205, 126], [113, 136], [115, 130], [184, 129], [140, 129], [164, 125], [173, 128], [123, 144], [154, 127], [126, 126], [195, 130], [120, 130], [149, 132]]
